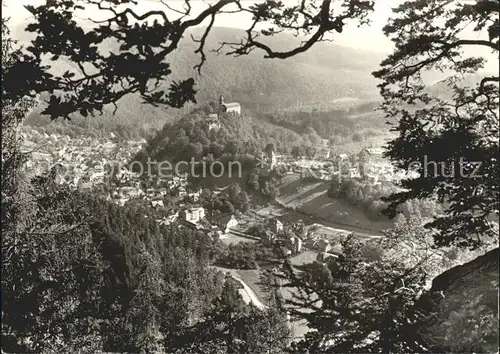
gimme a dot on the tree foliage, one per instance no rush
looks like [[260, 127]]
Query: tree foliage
[[145, 42], [356, 305], [458, 134]]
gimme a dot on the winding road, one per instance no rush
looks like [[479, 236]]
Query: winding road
[[247, 293], [250, 294]]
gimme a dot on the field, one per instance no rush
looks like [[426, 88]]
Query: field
[[233, 238], [336, 235], [312, 199], [305, 257]]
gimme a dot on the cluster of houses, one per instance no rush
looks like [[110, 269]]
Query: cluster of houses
[[373, 167], [86, 163], [289, 244], [82, 162], [312, 240], [127, 185], [196, 218]]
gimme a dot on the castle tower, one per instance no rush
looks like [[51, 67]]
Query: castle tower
[[273, 160], [221, 103]]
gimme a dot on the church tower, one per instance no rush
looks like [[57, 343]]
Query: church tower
[[221, 104]]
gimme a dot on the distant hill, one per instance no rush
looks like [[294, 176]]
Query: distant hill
[[442, 89], [190, 136], [319, 77]]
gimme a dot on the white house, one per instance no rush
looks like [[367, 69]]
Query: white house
[[276, 225], [226, 222], [167, 220], [157, 203], [228, 107], [353, 173], [294, 244], [375, 152], [213, 121], [194, 196], [171, 218], [193, 215]]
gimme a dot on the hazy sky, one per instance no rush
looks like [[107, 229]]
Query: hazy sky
[[371, 39]]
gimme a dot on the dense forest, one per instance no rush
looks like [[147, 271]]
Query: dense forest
[[238, 135], [353, 122], [129, 284]]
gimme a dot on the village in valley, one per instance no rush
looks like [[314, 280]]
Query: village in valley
[[217, 177], [102, 164]]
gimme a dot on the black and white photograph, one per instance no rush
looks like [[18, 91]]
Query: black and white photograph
[[250, 176]]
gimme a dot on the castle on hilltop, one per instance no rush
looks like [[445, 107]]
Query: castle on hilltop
[[224, 107], [229, 107]]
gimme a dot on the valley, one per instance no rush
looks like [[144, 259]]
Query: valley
[[299, 201], [171, 184]]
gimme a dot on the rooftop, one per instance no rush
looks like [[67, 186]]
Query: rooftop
[[375, 151], [231, 104]]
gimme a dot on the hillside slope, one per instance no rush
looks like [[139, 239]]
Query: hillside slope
[[318, 77], [325, 73], [462, 308], [190, 137]]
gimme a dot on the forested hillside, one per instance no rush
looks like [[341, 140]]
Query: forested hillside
[[245, 134], [115, 280], [342, 121], [250, 133], [317, 78]]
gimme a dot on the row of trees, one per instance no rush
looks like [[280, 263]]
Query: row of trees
[[267, 184], [369, 197], [228, 202], [362, 194], [329, 123], [246, 255]]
